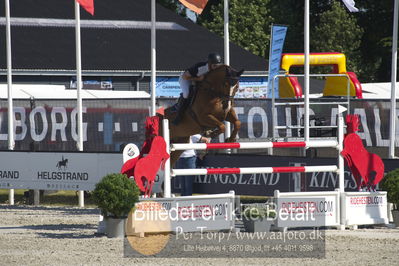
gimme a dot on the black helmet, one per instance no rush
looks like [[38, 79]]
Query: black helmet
[[214, 58]]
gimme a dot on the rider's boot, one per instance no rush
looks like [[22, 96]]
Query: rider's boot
[[181, 107]]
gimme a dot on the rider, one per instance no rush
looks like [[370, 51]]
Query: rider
[[194, 73]]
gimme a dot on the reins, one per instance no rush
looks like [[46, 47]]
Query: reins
[[217, 93]]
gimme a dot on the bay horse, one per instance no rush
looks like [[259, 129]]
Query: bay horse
[[212, 104]]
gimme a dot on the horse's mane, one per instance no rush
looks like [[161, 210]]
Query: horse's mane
[[216, 78]]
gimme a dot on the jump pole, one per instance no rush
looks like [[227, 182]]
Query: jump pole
[[167, 178], [341, 163], [255, 145], [255, 170]]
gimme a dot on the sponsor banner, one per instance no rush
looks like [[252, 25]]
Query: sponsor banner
[[56, 171], [252, 87], [183, 214], [364, 208], [168, 87], [50, 125], [242, 184], [307, 209], [93, 84], [266, 184], [71, 171], [256, 121]]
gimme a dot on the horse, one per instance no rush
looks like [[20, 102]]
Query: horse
[[63, 162], [212, 103]]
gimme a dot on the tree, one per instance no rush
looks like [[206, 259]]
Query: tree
[[249, 21], [376, 18], [332, 28], [338, 31], [291, 13]]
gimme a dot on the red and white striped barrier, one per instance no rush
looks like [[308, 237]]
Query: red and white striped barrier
[[339, 169], [335, 217], [255, 170], [255, 145]]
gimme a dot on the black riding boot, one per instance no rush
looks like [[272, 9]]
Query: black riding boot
[[181, 107]]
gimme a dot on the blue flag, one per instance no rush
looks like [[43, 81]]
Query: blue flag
[[276, 49]]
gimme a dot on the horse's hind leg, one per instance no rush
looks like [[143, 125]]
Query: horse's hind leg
[[232, 118]]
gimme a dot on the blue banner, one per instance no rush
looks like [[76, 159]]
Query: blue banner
[[168, 87], [250, 87], [276, 49]]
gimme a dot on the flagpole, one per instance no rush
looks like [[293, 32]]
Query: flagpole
[[79, 88], [226, 33], [11, 141], [153, 57], [393, 82], [227, 133], [306, 71]]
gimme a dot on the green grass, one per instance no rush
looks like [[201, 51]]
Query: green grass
[[253, 199], [59, 198]]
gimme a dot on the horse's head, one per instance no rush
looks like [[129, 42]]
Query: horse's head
[[222, 80]]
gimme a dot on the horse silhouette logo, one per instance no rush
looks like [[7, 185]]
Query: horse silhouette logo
[[62, 163]]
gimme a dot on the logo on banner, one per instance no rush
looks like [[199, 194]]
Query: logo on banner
[[63, 163]]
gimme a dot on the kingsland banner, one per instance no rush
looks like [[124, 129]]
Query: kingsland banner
[[266, 184], [82, 171], [50, 125]]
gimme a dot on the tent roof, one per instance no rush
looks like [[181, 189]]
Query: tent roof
[[116, 38], [28, 91], [378, 90]]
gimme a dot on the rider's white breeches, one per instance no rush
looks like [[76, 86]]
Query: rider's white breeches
[[185, 86]]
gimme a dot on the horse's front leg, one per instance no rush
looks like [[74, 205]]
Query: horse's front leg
[[232, 118]]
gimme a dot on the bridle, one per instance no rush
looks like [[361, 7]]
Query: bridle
[[228, 78]]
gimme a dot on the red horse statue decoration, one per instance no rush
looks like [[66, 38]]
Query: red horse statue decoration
[[367, 168], [144, 169]]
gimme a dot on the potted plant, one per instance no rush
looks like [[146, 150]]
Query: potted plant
[[258, 218], [390, 183], [116, 195]]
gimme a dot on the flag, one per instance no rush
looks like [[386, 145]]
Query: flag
[[350, 5], [88, 5], [195, 5], [276, 49]]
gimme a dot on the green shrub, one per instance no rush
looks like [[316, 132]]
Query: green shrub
[[116, 195], [390, 183], [259, 212]]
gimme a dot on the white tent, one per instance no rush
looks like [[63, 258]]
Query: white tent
[[378, 90], [42, 91]]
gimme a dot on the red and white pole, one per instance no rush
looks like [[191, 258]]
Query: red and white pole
[[256, 145], [255, 170]]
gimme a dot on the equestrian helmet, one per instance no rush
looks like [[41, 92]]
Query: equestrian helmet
[[214, 58]]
